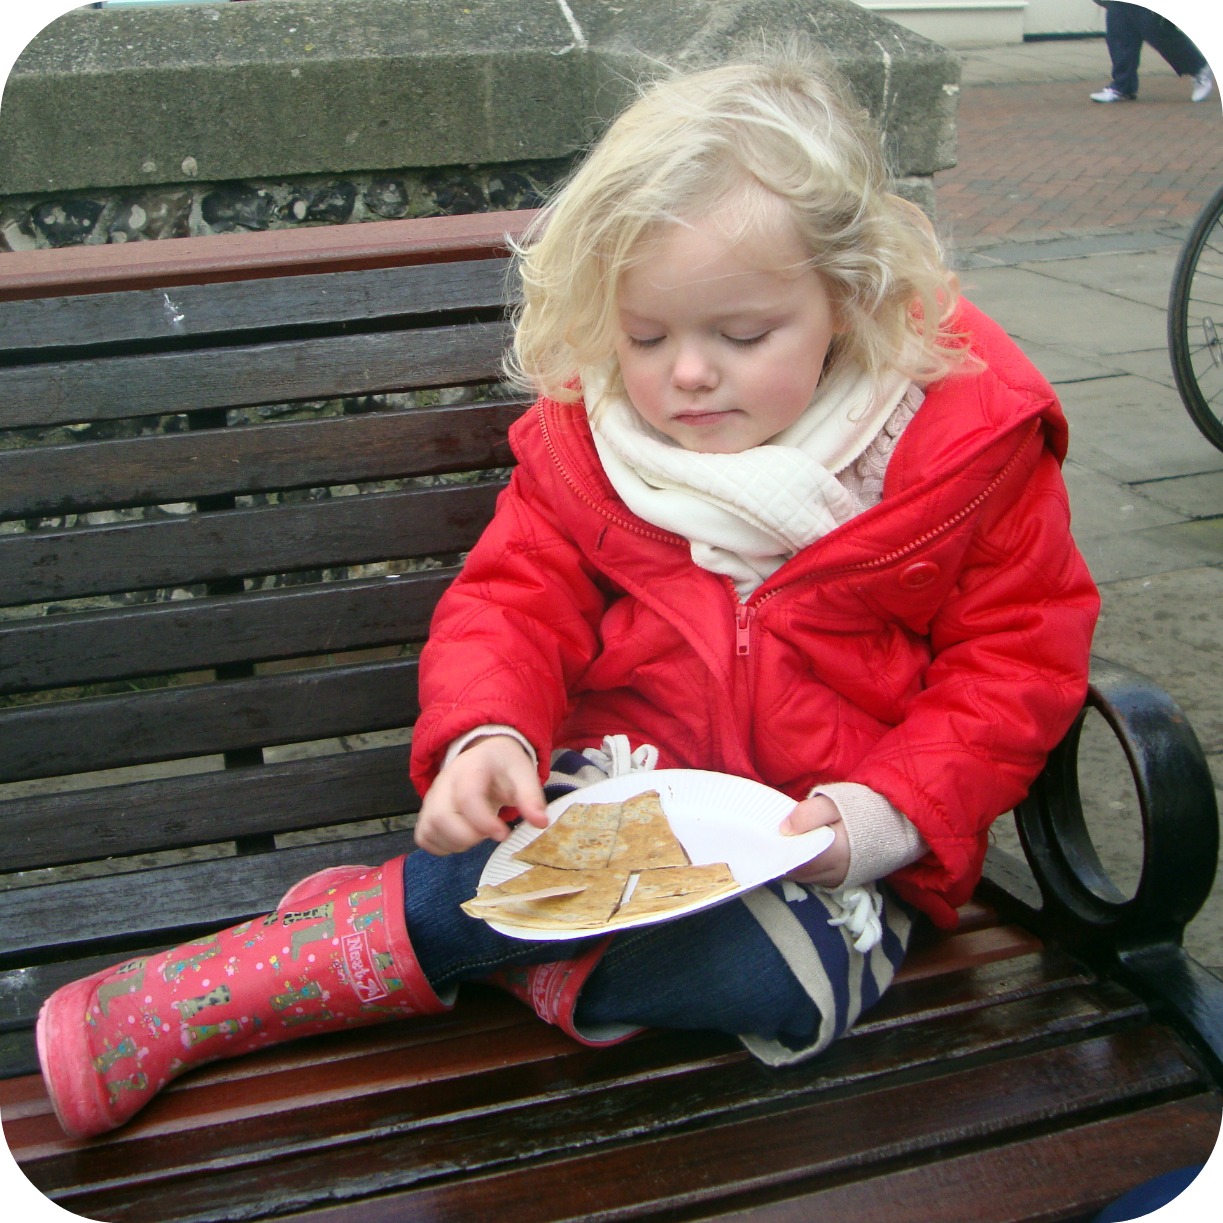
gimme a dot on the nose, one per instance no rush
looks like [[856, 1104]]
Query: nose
[[692, 370]]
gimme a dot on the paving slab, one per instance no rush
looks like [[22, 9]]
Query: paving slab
[[1134, 428], [1040, 309], [1137, 275], [1065, 364], [1193, 496], [1131, 554], [1103, 505], [1171, 625], [1151, 365]]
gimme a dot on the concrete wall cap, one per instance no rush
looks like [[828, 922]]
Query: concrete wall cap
[[132, 97]]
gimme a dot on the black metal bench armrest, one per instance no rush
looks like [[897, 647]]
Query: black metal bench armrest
[[1140, 935], [1180, 822]]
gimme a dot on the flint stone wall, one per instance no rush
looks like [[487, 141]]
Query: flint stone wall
[[132, 124]]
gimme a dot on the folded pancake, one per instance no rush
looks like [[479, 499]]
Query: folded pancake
[[644, 839], [669, 887], [581, 863], [581, 838], [575, 900]]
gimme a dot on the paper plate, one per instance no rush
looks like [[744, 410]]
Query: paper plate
[[717, 818]]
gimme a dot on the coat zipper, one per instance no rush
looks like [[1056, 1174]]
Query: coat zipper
[[743, 630], [963, 512], [745, 612], [638, 527]]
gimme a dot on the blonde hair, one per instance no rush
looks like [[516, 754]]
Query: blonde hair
[[692, 143]]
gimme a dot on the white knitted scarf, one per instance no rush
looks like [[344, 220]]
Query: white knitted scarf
[[745, 514]]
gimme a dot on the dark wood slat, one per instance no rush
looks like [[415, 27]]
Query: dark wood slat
[[192, 898], [523, 1149], [257, 458], [174, 812], [966, 989], [203, 719], [460, 1088], [327, 1069], [1070, 1174], [287, 252], [47, 566], [276, 1076], [154, 384], [957, 988], [196, 634], [329, 300]]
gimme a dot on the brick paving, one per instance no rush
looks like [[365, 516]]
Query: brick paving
[[1041, 157]]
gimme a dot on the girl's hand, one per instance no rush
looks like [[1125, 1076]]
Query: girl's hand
[[462, 806], [826, 870]]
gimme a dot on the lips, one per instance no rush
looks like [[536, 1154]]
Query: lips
[[699, 419]]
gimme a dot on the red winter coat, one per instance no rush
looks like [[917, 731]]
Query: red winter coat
[[933, 648]]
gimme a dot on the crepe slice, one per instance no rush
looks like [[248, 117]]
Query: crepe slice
[[578, 900], [535, 883], [582, 838], [645, 840], [668, 887]]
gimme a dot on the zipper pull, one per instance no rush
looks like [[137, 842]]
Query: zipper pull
[[743, 627]]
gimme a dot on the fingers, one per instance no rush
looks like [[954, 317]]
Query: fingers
[[817, 812], [464, 803], [829, 868]]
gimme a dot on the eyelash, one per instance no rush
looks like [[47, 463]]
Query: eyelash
[[738, 341]]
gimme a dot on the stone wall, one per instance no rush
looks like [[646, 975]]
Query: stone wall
[[130, 124]]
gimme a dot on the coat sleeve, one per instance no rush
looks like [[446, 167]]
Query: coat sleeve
[[1008, 675], [510, 635]]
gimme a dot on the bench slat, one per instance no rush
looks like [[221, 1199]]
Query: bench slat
[[48, 566], [521, 1127], [196, 634], [200, 808], [75, 270], [192, 898], [178, 467], [157, 384], [43, 325], [107, 732], [840, 1139], [1082, 1169], [1031, 976]]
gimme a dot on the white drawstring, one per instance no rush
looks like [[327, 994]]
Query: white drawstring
[[615, 758], [860, 910]]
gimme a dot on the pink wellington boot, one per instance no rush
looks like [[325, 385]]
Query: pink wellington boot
[[334, 955], [551, 990]]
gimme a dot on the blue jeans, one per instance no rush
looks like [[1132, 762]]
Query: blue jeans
[[715, 969], [1127, 27]]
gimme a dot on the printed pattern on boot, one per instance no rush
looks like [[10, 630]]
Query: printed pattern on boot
[[110, 1042]]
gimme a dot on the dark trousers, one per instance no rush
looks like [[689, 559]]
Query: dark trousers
[[1127, 27]]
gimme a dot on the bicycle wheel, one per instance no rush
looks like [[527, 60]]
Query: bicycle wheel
[[1195, 320]]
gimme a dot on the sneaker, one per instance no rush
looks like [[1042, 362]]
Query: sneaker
[[1203, 85], [1110, 94]]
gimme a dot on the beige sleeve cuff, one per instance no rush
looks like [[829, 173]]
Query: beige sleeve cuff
[[483, 732], [881, 839]]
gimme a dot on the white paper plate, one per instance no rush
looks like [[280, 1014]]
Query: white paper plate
[[717, 818]]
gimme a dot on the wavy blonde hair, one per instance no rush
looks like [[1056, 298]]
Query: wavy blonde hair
[[694, 143]]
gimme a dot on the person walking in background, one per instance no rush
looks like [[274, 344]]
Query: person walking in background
[[1126, 28]]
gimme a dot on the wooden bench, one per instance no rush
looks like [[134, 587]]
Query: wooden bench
[[236, 474]]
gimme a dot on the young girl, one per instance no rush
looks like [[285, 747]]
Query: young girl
[[783, 509]]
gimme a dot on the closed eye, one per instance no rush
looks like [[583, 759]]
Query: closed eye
[[748, 340], [644, 341]]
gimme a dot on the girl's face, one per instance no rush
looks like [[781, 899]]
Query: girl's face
[[721, 342]]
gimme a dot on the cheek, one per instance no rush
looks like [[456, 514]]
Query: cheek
[[640, 381]]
